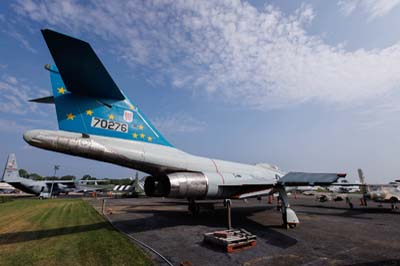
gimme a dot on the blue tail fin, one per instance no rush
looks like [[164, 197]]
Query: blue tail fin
[[87, 99]]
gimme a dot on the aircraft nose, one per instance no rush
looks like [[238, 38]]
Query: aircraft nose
[[29, 135]]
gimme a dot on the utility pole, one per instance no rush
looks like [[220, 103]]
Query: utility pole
[[56, 167]]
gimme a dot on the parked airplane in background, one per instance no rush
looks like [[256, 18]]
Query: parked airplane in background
[[86, 186], [343, 186], [305, 190], [387, 193], [11, 176], [97, 121]]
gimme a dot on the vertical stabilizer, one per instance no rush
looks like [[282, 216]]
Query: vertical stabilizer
[[11, 169], [363, 187], [86, 97]]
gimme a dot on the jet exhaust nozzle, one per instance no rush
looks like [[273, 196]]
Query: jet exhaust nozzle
[[177, 185], [156, 187]]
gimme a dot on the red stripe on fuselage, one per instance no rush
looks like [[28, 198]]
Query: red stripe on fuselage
[[216, 168]]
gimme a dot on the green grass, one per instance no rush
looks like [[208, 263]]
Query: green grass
[[62, 232], [4, 199]]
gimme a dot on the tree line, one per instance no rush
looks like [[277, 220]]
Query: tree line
[[34, 176]]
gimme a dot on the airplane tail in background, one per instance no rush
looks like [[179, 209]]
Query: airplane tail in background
[[363, 187], [87, 99], [11, 169]]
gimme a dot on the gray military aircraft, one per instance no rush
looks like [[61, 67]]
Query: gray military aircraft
[[11, 176], [97, 121], [382, 193]]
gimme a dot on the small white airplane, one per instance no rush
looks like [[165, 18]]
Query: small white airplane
[[343, 186], [97, 121]]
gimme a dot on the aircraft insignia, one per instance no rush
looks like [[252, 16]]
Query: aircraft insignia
[[70, 116], [128, 116]]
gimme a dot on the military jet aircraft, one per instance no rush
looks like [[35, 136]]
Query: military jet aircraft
[[383, 193], [98, 121], [11, 176]]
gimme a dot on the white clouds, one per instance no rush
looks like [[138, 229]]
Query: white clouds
[[21, 125], [374, 8], [14, 96], [17, 114], [179, 123], [256, 58], [11, 126], [21, 39], [10, 27], [382, 112], [11, 80]]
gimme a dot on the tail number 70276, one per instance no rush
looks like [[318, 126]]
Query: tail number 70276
[[109, 125]]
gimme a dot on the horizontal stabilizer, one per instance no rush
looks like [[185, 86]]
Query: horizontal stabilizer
[[48, 99], [309, 179], [80, 68]]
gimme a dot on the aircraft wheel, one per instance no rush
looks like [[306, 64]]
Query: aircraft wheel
[[289, 225], [285, 226]]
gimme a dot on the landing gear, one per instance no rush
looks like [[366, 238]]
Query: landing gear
[[363, 201], [289, 217], [193, 207], [348, 201], [393, 202], [227, 204]]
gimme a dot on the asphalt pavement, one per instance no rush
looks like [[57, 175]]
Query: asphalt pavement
[[328, 234]]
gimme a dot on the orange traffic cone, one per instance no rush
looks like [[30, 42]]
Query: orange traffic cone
[[270, 199]]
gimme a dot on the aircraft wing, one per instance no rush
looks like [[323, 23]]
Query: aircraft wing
[[309, 179], [254, 194], [290, 179], [83, 188], [68, 183]]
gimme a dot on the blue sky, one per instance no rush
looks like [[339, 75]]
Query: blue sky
[[308, 86]]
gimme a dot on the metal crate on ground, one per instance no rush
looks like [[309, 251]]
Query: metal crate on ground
[[231, 240]]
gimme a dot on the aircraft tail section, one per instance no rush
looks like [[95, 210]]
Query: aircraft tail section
[[87, 99], [11, 169], [361, 176]]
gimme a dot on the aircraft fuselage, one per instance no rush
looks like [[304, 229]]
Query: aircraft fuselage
[[171, 169]]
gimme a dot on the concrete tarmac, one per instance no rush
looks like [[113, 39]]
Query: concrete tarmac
[[329, 233]]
